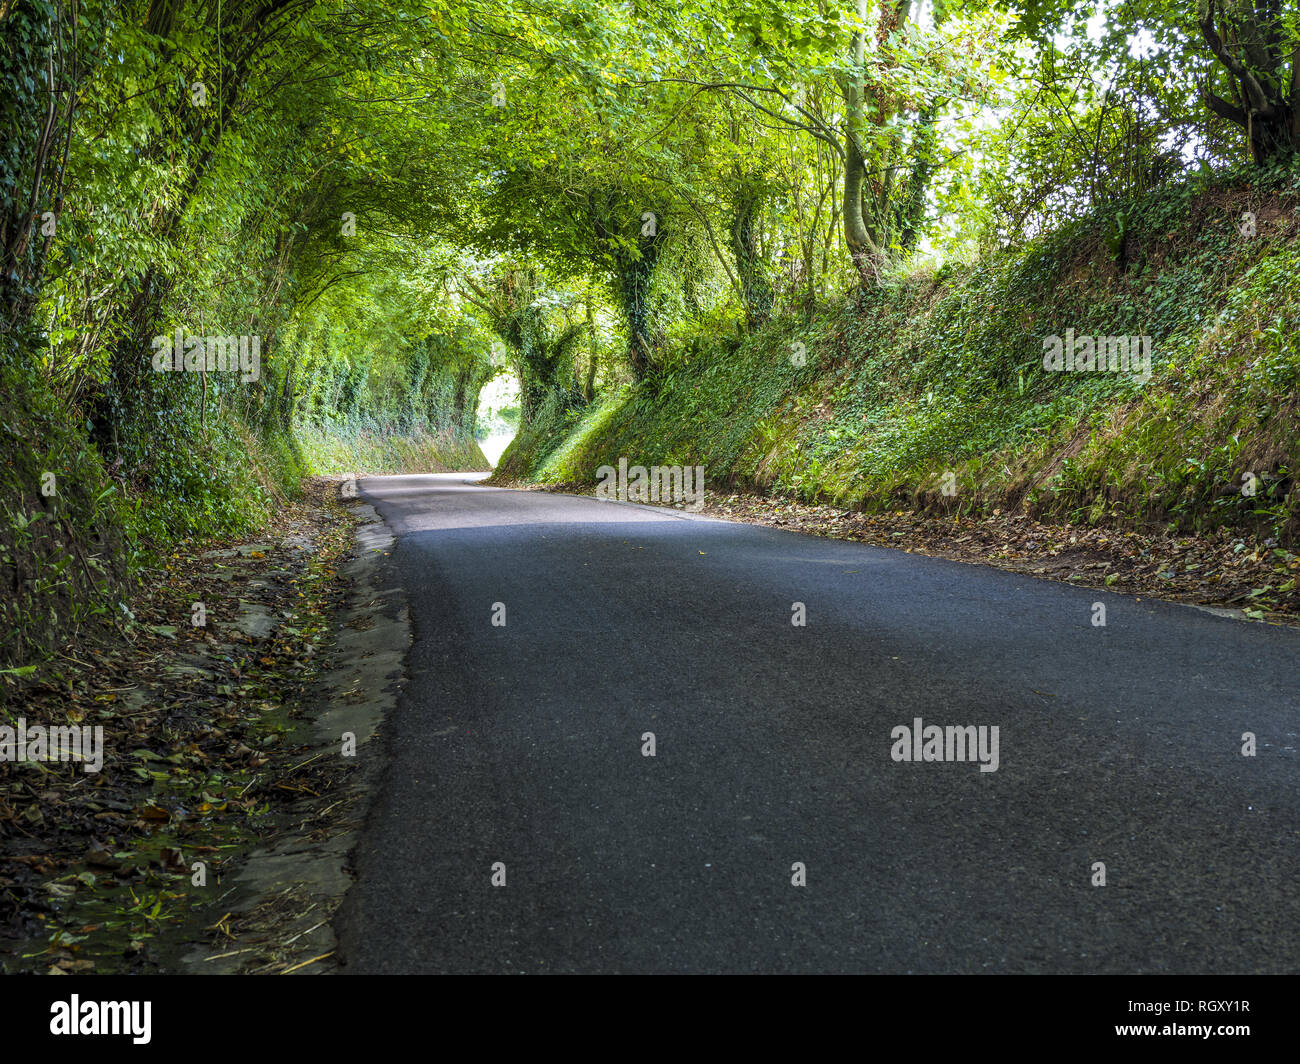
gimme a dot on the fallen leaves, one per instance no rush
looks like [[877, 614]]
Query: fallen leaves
[[1218, 568], [195, 721]]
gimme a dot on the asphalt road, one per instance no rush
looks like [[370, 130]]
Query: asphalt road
[[522, 744]]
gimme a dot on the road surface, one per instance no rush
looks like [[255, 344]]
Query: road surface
[[517, 752]]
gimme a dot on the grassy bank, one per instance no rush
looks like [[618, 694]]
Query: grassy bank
[[75, 530], [936, 380], [377, 452]]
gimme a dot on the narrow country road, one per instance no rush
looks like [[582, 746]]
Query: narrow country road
[[522, 744]]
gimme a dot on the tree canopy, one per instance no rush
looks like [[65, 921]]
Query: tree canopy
[[385, 193]]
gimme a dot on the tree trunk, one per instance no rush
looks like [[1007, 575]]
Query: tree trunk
[[1265, 80], [632, 275], [756, 285], [39, 82], [856, 236], [589, 385]]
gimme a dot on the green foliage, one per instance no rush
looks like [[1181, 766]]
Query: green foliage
[[66, 546], [640, 210], [940, 373]]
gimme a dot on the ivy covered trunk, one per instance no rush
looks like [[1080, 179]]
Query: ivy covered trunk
[[634, 277], [632, 262], [751, 262], [40, 73]]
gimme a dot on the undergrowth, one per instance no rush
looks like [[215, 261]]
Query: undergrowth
[[930, 391]]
